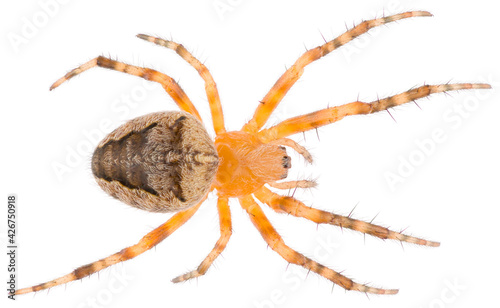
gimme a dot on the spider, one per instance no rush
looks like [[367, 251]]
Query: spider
[[166, 161]]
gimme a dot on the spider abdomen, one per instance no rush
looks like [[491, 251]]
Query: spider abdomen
[[161, 162]]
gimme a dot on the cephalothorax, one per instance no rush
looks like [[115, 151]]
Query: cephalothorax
[[166, 162]]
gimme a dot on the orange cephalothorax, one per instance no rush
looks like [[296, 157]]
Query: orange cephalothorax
[[246, 163]]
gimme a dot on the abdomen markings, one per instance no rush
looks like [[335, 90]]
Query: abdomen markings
[[123, 161], [158, 154]]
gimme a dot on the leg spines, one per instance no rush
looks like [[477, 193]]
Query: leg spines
[[171, 87], [420, 92], [329, 115], [225, 230], [276, 243], [364, 27], [210, 86], [296, 208], [79, 273], [74, 72], [288, 79], [147, 242]]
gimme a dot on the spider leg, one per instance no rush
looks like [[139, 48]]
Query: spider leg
[[329, 115], [294, 145], [147, 242], [275, 241], [225, 230], [173, 89], [210, 86], [289, 205], [288, 79], [293, 184]]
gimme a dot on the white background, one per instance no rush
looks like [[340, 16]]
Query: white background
[[450, 196]]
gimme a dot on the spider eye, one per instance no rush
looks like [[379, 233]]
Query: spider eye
[[287, 162]]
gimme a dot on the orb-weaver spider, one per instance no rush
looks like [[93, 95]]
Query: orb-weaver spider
[[166, 162]]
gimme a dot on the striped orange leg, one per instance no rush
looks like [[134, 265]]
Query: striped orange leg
[[289, 205], [288, 79], [275, 241], [173, 89], [210, 86], [329, 115], [150, 240], [225, 234]]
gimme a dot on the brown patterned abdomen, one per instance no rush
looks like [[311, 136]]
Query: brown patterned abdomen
[[161, 162]]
